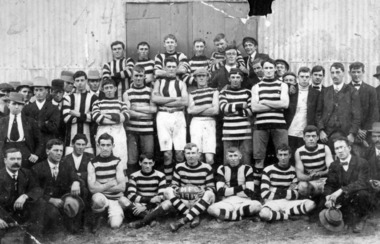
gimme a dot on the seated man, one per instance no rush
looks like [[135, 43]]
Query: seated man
[[146, 192], [62, 188], [312, 160], [372, 155], [20, 197], [278, 190], [347, 184], [106, 181], [234, 184], [196, 181]]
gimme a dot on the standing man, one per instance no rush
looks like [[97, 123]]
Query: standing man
[[377, 76], [269, 99], [347, 184], [20, 195], [339, 105], [44, 112], [144, 60], [302, 109], [218, 56], [170, 45], [119, 69], [235, 104], [106, 181], [139, 128], [110, 113], [373, 157], [234, 184], [94, 82], [170, 94], [368, 104], [77, 113], [317, 76], [204, 106], [21, 132], [281, 68], [67, 76], [57, 91], [25, 88]]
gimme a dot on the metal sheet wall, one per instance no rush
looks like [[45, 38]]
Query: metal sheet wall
[[322, 32], [43, 37]]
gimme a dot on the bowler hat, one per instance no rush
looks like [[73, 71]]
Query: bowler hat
[[93, 75], [15, 97], [200, 71], [57, 84], [332, 219], [40, 81], [249, 39], [67, 76], [72, 205], [282, 61], [375, 127], [377, 71]]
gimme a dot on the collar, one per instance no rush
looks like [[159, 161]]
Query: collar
[[356, 83], [195, 166], [348, 159], [51, 165], [314, 85], [300, 88], [74, 156], [338, 87], [40, 104], [377, 152], [147, 174], [11, 174], [12, 116], [252, 56]]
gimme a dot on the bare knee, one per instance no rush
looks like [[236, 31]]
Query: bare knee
[[309, 205], [255, 206], [169, 193], [213, 210], [115, 222], [166, 205], [209, 197], [265, 214], [124, 202], [99, 202]]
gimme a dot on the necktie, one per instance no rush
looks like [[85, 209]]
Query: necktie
[[316, 87], [15, 135], [15, 182], [55, 172], [356, 85]]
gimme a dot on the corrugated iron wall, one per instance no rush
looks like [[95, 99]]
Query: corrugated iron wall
[[42, 37], [322, 32]]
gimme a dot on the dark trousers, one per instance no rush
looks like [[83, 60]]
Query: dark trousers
[[55, 216]]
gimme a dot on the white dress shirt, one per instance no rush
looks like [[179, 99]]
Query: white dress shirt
[[40, 104], [19, 126]]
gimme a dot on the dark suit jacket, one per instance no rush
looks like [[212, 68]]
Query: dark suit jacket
[[87, 157], [55, 188], [356, 180], [219, 79], [252, 78], [374, 163], [369, 106], [31, 133], [27, 184], [47, 118], [378, 99], [347, 107], [312, 102]]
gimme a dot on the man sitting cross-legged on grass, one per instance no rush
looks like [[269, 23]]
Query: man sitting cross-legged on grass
[[234, 182], [278, 190]]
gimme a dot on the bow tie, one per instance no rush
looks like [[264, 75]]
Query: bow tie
[[356, 84], [316, 87], [343, 163]]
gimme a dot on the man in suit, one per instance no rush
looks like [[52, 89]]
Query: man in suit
[[317, 76], [25, 88], [338, 108], [5, 89], [368, 103], [57, 92], [62, 189], [302, 109], [250, 45], [44, 112], [347, 185], [377, 76], [20, 195], [19, 131]]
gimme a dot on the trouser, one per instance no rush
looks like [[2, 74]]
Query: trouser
[[137, 145]]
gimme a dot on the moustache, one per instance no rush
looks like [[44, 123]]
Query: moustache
[[16, 165]]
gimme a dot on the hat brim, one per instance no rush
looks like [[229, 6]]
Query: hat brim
[[327, 225], [6, 99], [80, 200], [376, 75]]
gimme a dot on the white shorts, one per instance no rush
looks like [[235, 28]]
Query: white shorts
[[203, 133], [171, 130], [233, 203], [283, 204]]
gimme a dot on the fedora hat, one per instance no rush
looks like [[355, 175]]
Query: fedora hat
[[93, 75], [57, 84], [375, 127], [24, 83], [15, 97], [332, 219], [40, 81], [67, 76], [72, 205], [377, 71]]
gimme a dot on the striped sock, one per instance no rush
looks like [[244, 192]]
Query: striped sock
[[197, 209], [179, 205], [245, 210], [297, 210], [278, 216]]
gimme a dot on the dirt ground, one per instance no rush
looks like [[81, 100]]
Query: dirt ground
[[210, 231]]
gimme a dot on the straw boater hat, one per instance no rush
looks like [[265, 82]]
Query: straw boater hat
[[40, 81], [24, 83], [332, 219], [72, 205], [67, 76], [377, 72], [15, 97], [93, 75]]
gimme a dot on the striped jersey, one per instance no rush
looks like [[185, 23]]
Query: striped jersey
[[203, 96], [171, 87], [275, 182], [270, 89], [195, 63], [230, 181], [144, 186], [313, 160], [105, 171], [111, 107], [82, 103], [180, 57], [200, 175], [120, 70], [142, 126], [236, 126], [148, 66]]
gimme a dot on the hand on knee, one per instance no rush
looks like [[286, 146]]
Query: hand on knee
[[169, 193], [309, 205], [208, 196], [213, 211], [115, 221]]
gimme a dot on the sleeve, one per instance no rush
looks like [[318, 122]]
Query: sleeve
[[132, 190], [52, 124], [176, 180], [267, 191], [106, 71], [34, 191], [224, 105], [210, 185], [221, 186], [362, 181], [96, 113], [249, 182], [158, 62], [162, 186], [355, 111], [332, 182], [66, 107], [373, 110]]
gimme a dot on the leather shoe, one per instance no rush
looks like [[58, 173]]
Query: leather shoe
[[176, 225], [136, 224], [196, 221], [359, 226]]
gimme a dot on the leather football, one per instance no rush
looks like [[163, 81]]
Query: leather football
[[189, 192]]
